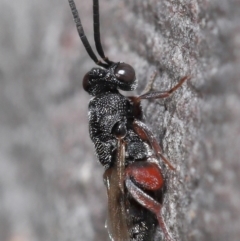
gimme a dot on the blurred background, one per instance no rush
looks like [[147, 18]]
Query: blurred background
[[50, 181]]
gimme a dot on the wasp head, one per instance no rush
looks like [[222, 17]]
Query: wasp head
[[117, 76]]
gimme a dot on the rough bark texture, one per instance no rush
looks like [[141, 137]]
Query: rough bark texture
[[50, 182]]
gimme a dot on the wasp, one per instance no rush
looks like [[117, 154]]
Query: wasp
[[124, 144]]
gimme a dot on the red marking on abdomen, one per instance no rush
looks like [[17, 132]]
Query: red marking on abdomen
[[146, 174]]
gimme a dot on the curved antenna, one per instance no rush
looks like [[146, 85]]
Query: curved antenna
[[96, 27], [82, 34]]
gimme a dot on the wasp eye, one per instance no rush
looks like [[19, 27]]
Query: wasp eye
[[125, 73], [86, 83]]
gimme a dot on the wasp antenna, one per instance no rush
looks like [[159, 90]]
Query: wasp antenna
[[82, 34], [97, 36]]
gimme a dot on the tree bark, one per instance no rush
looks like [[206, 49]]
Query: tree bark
[[50, 182]]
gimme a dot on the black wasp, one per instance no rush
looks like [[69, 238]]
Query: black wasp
[[124, 145]]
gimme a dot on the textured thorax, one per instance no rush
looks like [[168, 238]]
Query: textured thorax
[[105, 110]]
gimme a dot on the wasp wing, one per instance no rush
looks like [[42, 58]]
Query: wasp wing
[[114, 181]]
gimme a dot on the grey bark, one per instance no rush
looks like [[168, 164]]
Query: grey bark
[[50, 182]]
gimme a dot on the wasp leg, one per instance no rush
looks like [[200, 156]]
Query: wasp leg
[[149, 85], [149, 176], [162, 94], [146, 135], [153, 94]]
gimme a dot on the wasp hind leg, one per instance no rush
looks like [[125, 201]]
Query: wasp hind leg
[[146, 135], [149, 177]]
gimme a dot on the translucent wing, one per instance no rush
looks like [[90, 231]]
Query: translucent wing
[[114, 181]]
